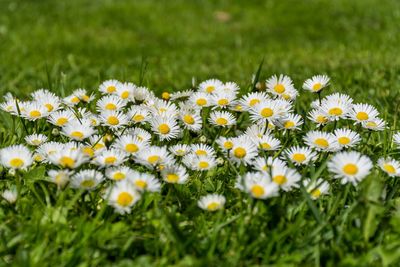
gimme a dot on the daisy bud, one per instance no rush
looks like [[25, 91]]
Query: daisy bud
[[10, 196], [11, 172], [260, 86], [203, 139], [55, 132], [220, 161], [165, 96]]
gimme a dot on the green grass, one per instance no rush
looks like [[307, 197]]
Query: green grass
[[71, 44]]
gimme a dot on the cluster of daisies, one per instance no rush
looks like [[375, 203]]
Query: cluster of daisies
[[123, 141]]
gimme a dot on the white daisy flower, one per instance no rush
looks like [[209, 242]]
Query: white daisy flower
[[180, 150], [180, 94], [222, 118], [125, 91], [110, 157], [10, 106], [390, 166], [285, 177], [268, 143], [346, 138], [165, 127], [316, 83], [250, 100], [269, 110], [113, 119], [78, 130], [258, 185], [119, 173], [33, 111], [109, 87], [290, 94], [142, 93], [223, 100], [145, 182], [317, 116], [230, 88], [290, 122], [316, 188], [200, 100], [130, 144], [66, 158], [321, 141], [336, 106], [350, 166], [110, 102], [59, 177], [202, 150], [61, 117], [82, 95], [279, 85], [154, 156], [122, 196], [138, 114], [396, 138], [266, 165], [16, 157], [224, 143], [243, 151], [191, 119], [35, 139], [363, 112], [47, 99], [300, 155], [140, 133], [199, 163], [174, 174], [210, 86], [376, 124], [86, 179], [211, 202], [71, 100], [162, 108]]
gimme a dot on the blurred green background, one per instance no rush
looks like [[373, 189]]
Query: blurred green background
[[80, 43]]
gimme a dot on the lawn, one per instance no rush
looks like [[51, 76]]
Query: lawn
[[165, 46]]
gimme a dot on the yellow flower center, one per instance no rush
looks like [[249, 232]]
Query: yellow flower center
[[98, 146], [254, 102], [265, 146], [239, 152], [223, 102], [131, 148], [124, 199], [165, 95], [203, 164], [88, 151], [213, 206], [210, 89], [228, 145], [61, 121], [201, 152], [371, 124], [111, 89], [238, 107], [85, 98], [164, 128], [279, 88], [138, 117], [113, 120], [77, 135], [289, 124], [221, 121], [87, 183], [119, 176], [257, 191], [111, 106], [321, 142], [321, 119], [141, 184], [110, 160], [344, 140], [362, 116], [317, 86], [35, 114], [335, 111], [350, 169], [280, 179], [267, 112], [125, 95], [299, 157], [49, 107], [389, 168], [201, 102], [188, 119], [172, 178], [67, 162], [16, 163], [153, 159], [75, 100], [316, 193]]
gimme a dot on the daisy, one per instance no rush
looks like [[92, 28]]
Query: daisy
[[243, 151], [316, 188], [35, 139], [316, 83], [165, 127], [109, 87], [110, 157], [162, 108], [210, 86], [78, 130], [119, 173], [86, 179], [174, 174], [47, 99], [396, 138], [49, 148], [211, 202], [66, 158], [258, 185], [321, 141], [268, 143], [317, 116], [269, 110], [222, 118], [180, 150], [257, 131], [144, 182], [82, 95], [110, 102], [142, 93], [230, 88], [223, 100], [140, 133], [363, 112], [300, 155], [390, 166], [33, 111], [10, 106], [350, 166], [71, 100], [59, 177], [122, 196], [376, 124], [202, 150], [199, 163], [154, 156], [336, 106], [191, 119], [285, 177], [266, 165], [61, 117], [125, 91], [290, 94], [130, 144], [200, 100], [224, 143], [113, 119], [16, 157], [138, 114], [346, 138], [250, 100], [279, 85], [291, 122]]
